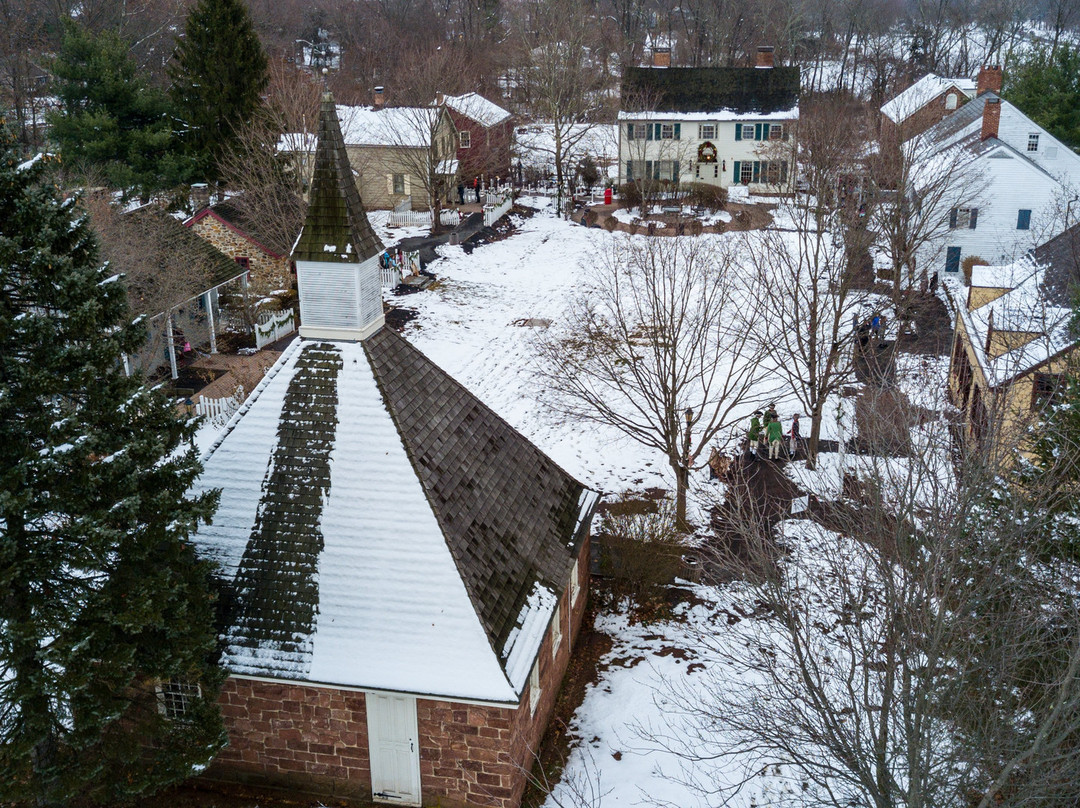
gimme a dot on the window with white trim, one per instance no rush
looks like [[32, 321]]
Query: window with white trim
[[175, 698], [575, 584], [776, 131], [398, 184], [534, 686], [667, 131], [639, 131], [1033, 142], [706, 131], [465, 138], [747, 131], [951, 101], [556, 631], [746, 172]]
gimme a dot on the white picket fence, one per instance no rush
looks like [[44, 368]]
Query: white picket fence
[[393, 275], [492, 213], [421, 218], [219, 410], [273, 325]]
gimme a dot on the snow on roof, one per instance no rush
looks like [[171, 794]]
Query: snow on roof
[[1025, 308], [409, 127], [375, 517], [921, 93], [475, 106]]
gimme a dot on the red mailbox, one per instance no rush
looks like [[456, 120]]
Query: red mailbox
[[607, 196]]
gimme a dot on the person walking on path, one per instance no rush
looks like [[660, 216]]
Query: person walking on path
[[461, 192], [796, 438], [875, 326], [752, 435], [476, 188], [776, 438]]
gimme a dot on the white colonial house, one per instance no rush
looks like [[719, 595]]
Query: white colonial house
[[1016, 186], [718, 125]]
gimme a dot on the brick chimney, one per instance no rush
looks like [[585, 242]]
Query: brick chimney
[[765, 57], [378, 97], [991, 118], [989, 79]]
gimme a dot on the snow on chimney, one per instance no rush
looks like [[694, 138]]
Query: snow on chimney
[[661, 57], [989, 79], [378, 97], [765, 57], [991, 118]]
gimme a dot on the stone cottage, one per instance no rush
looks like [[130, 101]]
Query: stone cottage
[[226, 227], [404, 572]]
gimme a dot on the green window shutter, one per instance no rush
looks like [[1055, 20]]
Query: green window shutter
[[629, 170], [738, 131], [952, 219], [757, 170], [656, 134], [629, 131], [783, 172], [974, 217], [675, 163], [785, 134], [738, 177], [678, 128], [648, 131], [757, 131]]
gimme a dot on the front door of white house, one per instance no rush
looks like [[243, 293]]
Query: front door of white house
[[394, 746]]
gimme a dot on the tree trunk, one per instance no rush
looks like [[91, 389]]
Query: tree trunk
[[682, 483], [815, 437]]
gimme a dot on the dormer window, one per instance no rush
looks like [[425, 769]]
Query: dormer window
[[1033, 142], [951, 101]]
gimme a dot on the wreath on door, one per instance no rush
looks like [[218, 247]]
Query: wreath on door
[[706, 153]]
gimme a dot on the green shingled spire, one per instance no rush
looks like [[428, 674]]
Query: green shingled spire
[[336, 228]]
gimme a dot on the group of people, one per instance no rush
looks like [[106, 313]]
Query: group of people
[[766, 436], [475, 189]]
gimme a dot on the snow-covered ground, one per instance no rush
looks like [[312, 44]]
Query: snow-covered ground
[[481, 323]]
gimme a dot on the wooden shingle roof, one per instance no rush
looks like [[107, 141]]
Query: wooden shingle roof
[[743, 90], [337, 227]]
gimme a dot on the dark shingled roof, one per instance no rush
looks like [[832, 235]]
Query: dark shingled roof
[[964, 116], [710, 89], [282, 554], [335, 214], [1061, 257], [508, 512]]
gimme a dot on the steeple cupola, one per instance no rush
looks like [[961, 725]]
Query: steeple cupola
[[336, 255]]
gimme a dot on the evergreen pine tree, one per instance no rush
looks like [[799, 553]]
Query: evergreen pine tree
[[109, 118], [101, 593], [1045, 85], [218, 73]]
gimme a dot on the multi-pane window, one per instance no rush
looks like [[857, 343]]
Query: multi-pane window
[[466, 139], [951, 101], [575, 586], [639, 131], [776, 131], [667, 131], [772, 174], [175, 698], [1033, 142], [963, 218], [1049, 388], [747, 131], [534, 686], [746, 173], [399, 184], [556, 631], [706, 131]]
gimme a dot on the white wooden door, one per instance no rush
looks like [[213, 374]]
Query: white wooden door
[[395, 749]]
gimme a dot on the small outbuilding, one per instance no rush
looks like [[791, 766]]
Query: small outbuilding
[[404, 572]]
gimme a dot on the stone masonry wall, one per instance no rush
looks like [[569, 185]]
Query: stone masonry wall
[[311, 739], [267, 272]]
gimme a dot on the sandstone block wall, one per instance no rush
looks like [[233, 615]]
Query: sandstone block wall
[[268, 272]]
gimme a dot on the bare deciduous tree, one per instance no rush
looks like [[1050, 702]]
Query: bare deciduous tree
[[805, 273], [915, 643], [656, 349]]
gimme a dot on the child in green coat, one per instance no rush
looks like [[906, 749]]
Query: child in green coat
[[752, 435]]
